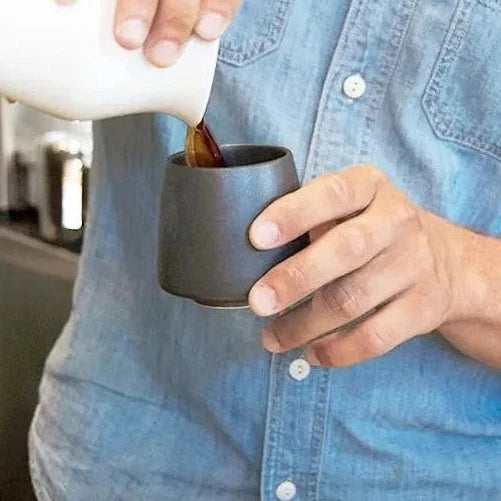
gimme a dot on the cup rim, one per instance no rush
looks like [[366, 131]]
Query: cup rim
[[282, 153]]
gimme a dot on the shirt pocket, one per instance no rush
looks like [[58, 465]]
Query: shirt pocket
[[257, 30], [463, 97]]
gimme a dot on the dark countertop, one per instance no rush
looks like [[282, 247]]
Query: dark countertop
[[36, 280], [28, 253]]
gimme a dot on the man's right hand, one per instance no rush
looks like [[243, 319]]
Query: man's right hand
[[162, 27]]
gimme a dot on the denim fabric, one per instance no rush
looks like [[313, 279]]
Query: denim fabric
[[150, 397]]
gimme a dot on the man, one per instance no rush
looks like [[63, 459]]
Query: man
[[393, 112]]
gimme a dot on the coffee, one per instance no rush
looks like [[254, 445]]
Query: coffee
[[201, 149]]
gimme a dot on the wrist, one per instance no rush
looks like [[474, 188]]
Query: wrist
[[474, 270]]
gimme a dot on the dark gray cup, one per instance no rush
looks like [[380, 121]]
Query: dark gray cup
[[205, 214]]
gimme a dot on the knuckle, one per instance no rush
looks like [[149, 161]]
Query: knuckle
[[422, 266], [375, 342], [343, 299], [339, 189], [379, 176], [425, 259], [374, 173], [405, 213], [423, 242], [296, 277], [354, 240], [179, 23]]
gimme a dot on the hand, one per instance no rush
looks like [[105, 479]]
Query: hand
[[388, 259], [162, 27]]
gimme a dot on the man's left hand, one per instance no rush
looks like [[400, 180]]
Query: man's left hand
[[372, 251]]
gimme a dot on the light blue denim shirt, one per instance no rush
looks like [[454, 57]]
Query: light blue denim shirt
[[150, 397]]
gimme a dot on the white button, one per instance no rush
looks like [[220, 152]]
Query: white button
[[286, 491], [299, 369], [354, 86]]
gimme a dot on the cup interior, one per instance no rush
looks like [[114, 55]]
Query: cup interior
[[236, 155]]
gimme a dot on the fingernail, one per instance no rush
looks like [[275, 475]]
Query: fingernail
[[263, 299], [211, 25], [264, 234], [132, 32], [165, 52], [311, 357], [270, 341]]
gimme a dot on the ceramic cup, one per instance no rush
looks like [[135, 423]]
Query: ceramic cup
[[204, 250]]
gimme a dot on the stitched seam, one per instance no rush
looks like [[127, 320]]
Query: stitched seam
[[272, 431], [443, 122], [324, 118], [442, 67], [238, 55], [318, 435], [399, 30], [491, 4]]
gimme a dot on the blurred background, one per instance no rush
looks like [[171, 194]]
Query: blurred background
[[44, 168]]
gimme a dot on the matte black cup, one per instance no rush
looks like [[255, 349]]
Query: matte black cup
[[204, 250]]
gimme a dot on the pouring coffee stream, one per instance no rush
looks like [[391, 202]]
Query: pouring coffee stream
[[201, 149]]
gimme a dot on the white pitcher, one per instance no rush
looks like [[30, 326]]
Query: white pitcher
[[64, 60]]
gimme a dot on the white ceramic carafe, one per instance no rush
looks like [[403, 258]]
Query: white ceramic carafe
[[64, 60]]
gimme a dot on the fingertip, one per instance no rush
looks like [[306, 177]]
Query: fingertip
[[131, 33], [263, 300], [164, 53], [264, 234], [211, 25]]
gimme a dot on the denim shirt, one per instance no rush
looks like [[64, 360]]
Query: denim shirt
[[147, 396]]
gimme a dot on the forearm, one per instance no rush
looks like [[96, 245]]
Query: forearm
[[475, 327]]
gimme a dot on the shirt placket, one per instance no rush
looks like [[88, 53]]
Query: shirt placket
[[295, 428], [358, 77], [352, 96]]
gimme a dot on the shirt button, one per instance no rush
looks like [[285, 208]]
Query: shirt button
[[299, 369], [286, 491], [354, 86]]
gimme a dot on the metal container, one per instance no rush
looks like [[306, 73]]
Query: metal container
[[63, 177]]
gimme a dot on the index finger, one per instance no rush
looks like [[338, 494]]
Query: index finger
[[215, 16], [133, 19], [327, 198]]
